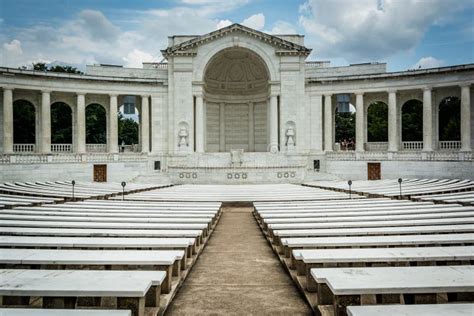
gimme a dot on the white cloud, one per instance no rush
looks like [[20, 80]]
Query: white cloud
[[91, 37], [223, 23], [14, 47], [282, 27], [256, 21], [428, 62], [135, 58], [371, 29]]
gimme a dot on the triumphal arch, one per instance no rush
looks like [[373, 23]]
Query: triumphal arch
[[238, 106]]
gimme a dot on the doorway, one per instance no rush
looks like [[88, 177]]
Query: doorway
[[373, 171], [100, 173]]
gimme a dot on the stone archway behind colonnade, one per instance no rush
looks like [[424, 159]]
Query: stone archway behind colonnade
[[236, 94]]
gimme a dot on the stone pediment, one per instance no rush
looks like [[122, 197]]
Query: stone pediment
[[188, 48]]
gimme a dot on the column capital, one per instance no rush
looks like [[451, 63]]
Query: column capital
[[112, 95], [465, 85], [327, 95], [315, 94], [145, 95], [427, 88], [359, 93], [9, 88], [392, 90], [81, 93], [46, 91]]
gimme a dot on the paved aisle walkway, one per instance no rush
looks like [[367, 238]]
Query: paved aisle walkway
[[238, 273]]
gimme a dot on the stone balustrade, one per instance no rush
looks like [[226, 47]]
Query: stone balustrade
[[96, 148], [24, 148], [412, 145], [376, 146], [61, 148], [449, 145]]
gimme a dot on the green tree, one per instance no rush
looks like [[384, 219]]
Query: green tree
[[345, 126], [377, 122], [450, 119], [61, 123], [56, 68], [24, 122], [412, 121], [127, 130], [96, 122]]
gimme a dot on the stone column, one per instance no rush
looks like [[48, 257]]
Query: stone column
[[222, 127], [251, 127], [199, 124], [393, 120], [7, 121], [360, 118], [466, 118], [273, 128], [113, 124], [145, 127], [328, 128], [427, 120], [81, 124], [316, 123], [45, 141]]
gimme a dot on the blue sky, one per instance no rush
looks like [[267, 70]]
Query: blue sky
[[404, 33]]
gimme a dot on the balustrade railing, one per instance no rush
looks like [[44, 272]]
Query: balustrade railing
[[412, 145], [450, 144], [24, 148], [129, 148], [96, 148], [376, 146], [61, 148]]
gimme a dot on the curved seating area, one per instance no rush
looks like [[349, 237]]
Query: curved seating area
[[434, 190], [100, 254], [353, 257], [37, 193]]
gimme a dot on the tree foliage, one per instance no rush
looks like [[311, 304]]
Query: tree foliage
[[24, 122], [96, 124], [412, 121], [377, 122], [56, 68], [345, 126], [128, 130], [449, 127], [61, 123]]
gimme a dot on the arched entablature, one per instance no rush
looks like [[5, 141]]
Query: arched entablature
[[264, 51], [406, 95]]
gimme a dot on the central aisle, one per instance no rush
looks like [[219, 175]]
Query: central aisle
[[237, 273]]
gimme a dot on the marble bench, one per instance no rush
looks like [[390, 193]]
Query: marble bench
[[97, 232], [369, 224], [371, 218], [186, 244], [163, 260], [412, 310], [342, 287], [307, 259], [437, 208], [61, 312], [373, 231], [374, 241], [104, 225], [133, 290]]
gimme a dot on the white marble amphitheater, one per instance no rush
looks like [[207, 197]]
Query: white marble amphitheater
[[238, 106], [236, 200]]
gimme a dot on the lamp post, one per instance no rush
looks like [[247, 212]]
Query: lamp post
[[123, 189], [350, 191], [400, 186], [73, 182]]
